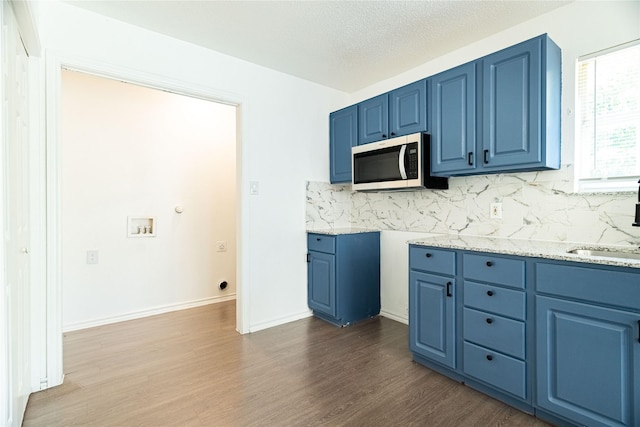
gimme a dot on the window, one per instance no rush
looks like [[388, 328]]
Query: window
[[608, 119]]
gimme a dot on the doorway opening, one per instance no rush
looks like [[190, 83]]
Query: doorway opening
[[52, 332], [148, 200]]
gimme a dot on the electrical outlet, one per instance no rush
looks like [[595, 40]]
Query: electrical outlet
[[496, 211], [92, 257], [221, 245]]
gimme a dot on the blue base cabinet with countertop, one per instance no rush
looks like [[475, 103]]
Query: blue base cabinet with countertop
[[343, 276], [588, 343], [467, 316], [555, 338]]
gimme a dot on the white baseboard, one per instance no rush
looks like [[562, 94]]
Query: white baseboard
[[146, 313], [393, 316], [279, 321]]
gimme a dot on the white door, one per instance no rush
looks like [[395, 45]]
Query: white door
[[16, 304]]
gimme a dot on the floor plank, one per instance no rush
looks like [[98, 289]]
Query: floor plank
[[191, 368]]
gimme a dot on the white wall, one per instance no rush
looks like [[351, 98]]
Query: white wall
[[283, 143], [538, 206], [394, 274], [127, 151]]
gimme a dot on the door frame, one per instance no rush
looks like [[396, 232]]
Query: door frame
[[54, 64]]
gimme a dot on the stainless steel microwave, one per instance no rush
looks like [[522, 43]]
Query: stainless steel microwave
[[400, 163]]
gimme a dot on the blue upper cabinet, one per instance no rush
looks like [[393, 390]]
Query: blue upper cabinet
[[408, 109], [400, 112], [521, 107], [343, 125], [500, 113], [497, 114], [453, 128], [373, 119]]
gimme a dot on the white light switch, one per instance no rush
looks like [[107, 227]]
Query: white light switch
[[221, 246], [92, 257], [254, 188]]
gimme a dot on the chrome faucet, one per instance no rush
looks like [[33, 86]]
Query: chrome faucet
[[637, 221]]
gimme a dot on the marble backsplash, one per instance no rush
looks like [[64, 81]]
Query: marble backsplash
[[536, 205]]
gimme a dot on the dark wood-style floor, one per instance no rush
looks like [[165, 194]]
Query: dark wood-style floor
[[191, 368]]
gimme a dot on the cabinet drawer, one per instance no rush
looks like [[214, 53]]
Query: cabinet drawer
[[620, 288], [501, 371], [489, 268], [321, 243], [506, 302], [495, 332], [432, 260]]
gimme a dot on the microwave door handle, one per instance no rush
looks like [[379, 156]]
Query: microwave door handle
[[403, 171]]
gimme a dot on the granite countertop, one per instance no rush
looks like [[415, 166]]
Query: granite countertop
[[530, 248], [344, 230]]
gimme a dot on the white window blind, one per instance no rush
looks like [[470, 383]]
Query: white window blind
[[608, 119]]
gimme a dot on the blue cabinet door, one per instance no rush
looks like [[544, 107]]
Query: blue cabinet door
[[588, 363], [453, 128], [432, 317], [343, 127], [321, 282], [408, 109], [512, 106], [373, 119]]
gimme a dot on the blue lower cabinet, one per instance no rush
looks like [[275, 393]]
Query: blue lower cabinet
[[494, 327], [322, 282], [588, 363], [555, 338], [343, 276], [588, 344], [467, 319], [432, 316], [506, 373], [494, 332]]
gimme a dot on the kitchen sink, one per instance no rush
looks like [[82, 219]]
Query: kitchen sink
[[605, 253]]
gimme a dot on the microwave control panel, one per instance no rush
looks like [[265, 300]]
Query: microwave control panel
[[411, 160]]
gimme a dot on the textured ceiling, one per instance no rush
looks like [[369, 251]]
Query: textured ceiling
[[346, 45]]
